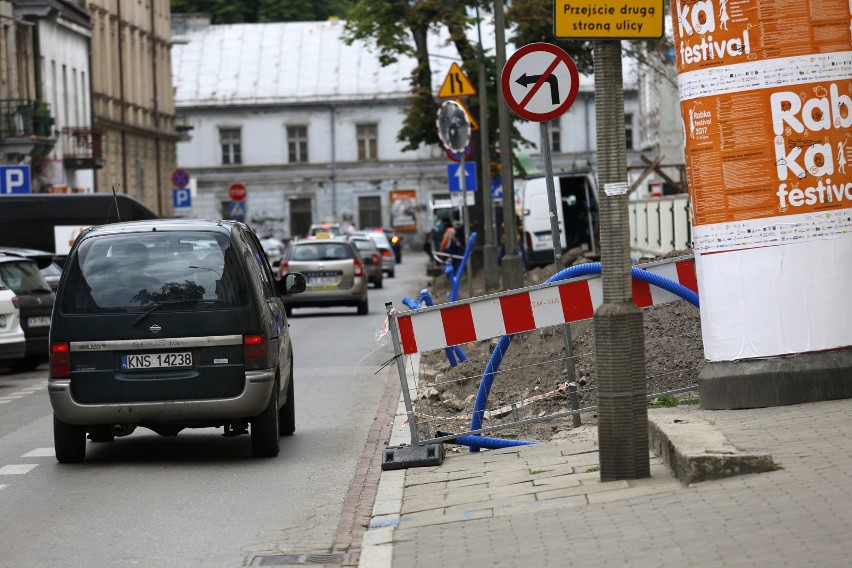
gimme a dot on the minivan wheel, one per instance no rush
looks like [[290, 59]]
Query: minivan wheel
[[287, 414], [363, 307], [288, 310], [378, 283], [69, 441], [264, 428]]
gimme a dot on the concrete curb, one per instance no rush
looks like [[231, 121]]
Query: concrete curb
[[377, 544], [696, 451]]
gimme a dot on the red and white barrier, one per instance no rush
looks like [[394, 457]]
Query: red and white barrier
[[529, 308]]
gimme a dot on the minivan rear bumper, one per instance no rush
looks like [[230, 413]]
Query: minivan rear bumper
[[249, 403]]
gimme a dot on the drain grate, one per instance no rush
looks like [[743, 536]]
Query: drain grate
[[308, 559]]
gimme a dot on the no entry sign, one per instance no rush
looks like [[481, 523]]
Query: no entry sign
[[540, 82], [237, 192]]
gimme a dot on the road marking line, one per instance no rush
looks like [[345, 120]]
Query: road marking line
[[17, 469], [40, 453], [3, 401]]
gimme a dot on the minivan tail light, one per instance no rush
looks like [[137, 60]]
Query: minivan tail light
[[529, 240], [254, 352], [285, 268], [359, 270], [386, 252], [60, 360], [16, 302], [376, 258]]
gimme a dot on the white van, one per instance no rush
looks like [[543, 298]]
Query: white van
[[577, 211]]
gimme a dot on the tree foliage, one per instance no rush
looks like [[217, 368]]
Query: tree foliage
[[263, 11]]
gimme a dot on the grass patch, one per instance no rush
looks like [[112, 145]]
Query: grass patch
[[593, 469], [537, 471], [663, 402]]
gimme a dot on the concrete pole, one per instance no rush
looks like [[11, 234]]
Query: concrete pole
[[513, 272], [619, 335]]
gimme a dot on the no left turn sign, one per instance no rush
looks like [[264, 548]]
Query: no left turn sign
[[540, 82]]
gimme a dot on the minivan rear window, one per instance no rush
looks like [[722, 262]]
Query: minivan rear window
[[129, 272]]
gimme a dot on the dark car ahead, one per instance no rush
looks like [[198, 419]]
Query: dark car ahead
[[395, 240], [36, 299], [372, 258], [170, 324]]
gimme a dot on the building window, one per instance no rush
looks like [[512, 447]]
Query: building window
[[230, 139], [628, 130], [556, 135], [368, 140], [297, 143]]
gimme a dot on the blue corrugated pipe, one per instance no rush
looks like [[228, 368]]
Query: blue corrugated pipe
[[570, 272], [490, 443]]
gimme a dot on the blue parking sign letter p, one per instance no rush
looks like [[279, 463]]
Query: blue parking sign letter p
[[182, 197], [15, 179]]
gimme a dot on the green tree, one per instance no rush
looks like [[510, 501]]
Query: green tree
[[398, 28]]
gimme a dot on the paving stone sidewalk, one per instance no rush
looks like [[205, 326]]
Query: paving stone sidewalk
[[544, 505]]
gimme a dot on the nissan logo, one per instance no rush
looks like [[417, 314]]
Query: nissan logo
[[155, 328]]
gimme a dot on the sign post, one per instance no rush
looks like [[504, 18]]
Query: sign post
[[454, 131], [237, 193], [524, 78]]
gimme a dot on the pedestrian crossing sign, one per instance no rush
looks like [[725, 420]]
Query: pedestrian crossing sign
[[456, 84], [237, 210]]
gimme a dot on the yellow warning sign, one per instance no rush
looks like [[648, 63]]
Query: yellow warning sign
[[618, 19], [456, 84], [474, 126]]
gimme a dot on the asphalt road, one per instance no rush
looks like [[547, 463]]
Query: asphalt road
[[199, 499]]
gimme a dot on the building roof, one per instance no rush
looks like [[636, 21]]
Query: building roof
[[304, 62], [251, 64]]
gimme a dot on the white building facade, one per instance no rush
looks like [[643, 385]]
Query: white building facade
[[309, 125], [64, 35]]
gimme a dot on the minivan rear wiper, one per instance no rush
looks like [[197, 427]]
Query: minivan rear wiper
[[148, 312]]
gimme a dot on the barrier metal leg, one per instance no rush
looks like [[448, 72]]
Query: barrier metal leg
[[403, 379], [416, 454]]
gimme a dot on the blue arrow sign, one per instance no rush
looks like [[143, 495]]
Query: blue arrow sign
[[15, 179], [454, 176], [497, 187], [237, 210]]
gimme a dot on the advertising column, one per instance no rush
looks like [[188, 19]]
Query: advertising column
[[766, 103]]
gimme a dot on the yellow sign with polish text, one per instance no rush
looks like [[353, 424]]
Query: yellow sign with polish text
[[619, 19], [456, 84]]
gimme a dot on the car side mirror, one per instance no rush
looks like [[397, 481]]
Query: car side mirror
[[293, 283]]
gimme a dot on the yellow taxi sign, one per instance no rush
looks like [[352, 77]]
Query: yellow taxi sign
[[616, 20], [456, 84]]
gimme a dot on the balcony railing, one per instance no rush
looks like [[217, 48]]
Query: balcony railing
[[82, 148], [22, 118]]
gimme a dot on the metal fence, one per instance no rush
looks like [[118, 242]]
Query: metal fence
[[491, 392]]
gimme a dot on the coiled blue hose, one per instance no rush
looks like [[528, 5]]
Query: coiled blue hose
[[570, 272]]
